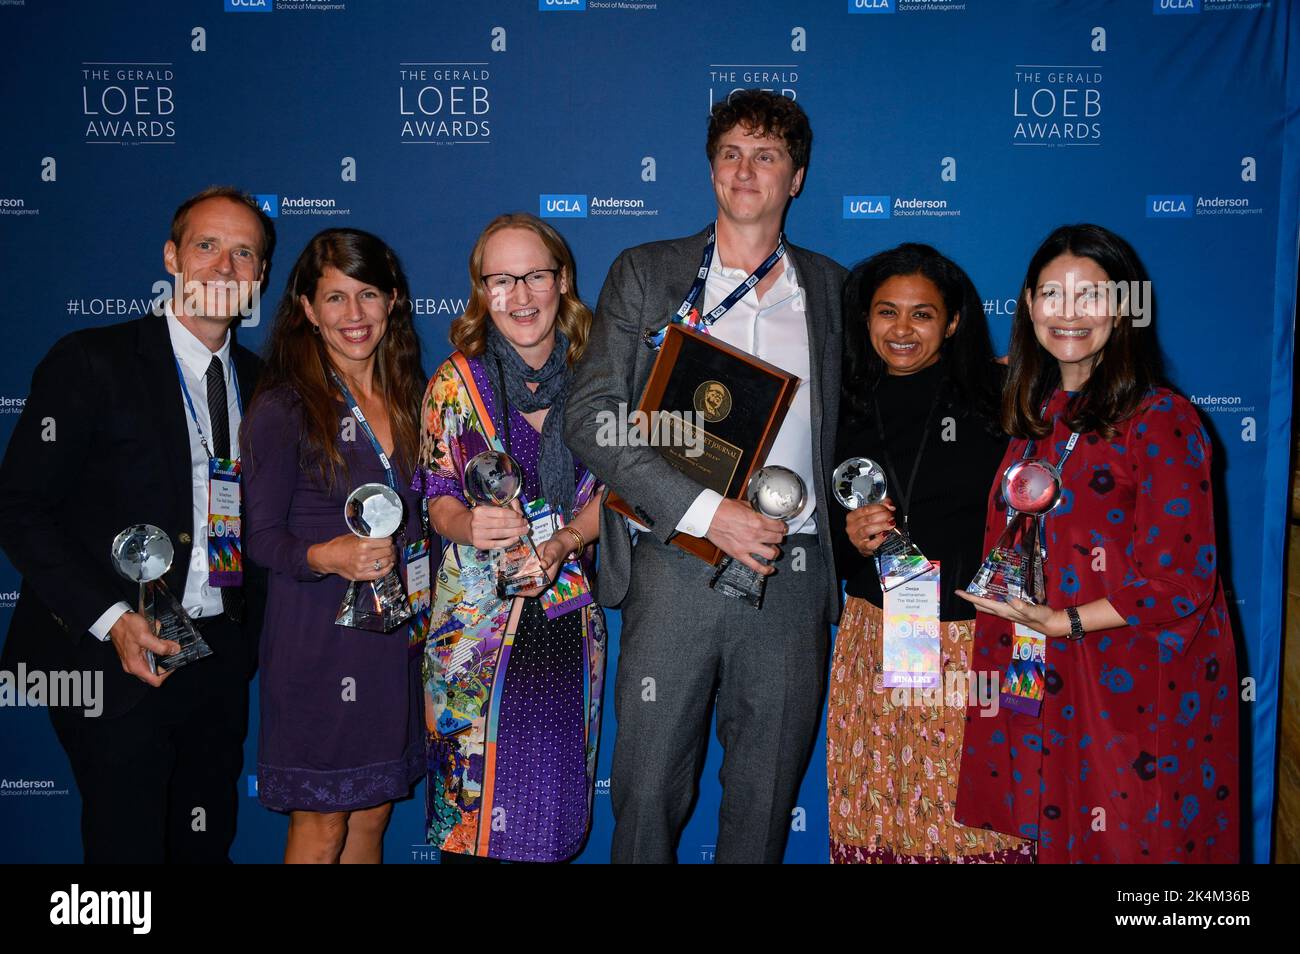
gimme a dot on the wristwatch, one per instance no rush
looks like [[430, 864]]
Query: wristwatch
[[1076, 624]]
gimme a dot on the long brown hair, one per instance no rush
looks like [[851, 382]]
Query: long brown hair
[[469, 331], [1126, 369], [296, 357]]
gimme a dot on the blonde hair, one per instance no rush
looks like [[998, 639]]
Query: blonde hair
[[469, 331]]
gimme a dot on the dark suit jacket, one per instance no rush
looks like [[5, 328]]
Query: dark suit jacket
[[102, 443], [644, 287]]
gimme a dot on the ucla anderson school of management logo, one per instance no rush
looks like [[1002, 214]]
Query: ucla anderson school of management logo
[[16, 205], [1191, 206], [275, 205], [1206, 6], [582, 6], [907, 6], [866, 206], [284, 6], [885, 207], [558, 206], [581, 206]]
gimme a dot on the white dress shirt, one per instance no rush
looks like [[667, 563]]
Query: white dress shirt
[[199, 599], [775, 329]]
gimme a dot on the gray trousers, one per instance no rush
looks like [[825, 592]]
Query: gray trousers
[[680, 642]]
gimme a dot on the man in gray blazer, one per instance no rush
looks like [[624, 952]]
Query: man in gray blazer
[[682, 641]]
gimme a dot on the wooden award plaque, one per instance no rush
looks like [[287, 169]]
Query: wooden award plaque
[[737, 400]]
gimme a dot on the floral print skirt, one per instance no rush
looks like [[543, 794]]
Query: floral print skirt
[[892, 756]]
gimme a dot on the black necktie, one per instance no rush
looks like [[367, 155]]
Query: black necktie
[[218, 413], [232, 598]]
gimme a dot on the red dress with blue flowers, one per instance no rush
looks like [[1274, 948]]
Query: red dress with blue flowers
[[1134, 756]]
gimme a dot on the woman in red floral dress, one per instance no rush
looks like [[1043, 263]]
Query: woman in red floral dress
[[1133, 756]]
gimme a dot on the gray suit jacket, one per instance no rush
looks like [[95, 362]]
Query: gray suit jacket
[[644, 287]]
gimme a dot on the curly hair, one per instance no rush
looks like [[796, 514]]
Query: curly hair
[[762, 113]]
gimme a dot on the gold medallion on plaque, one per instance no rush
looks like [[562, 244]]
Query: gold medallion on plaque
[[712, 401]]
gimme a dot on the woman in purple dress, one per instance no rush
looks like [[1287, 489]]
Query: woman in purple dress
[[512, 686], [340, 717]]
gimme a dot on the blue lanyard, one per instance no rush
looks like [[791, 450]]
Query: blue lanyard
[[1065, 454], [365, 426], [189, 402], [655, 339]]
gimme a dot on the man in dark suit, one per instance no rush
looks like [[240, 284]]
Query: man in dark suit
[[118, 429], [682, 641]]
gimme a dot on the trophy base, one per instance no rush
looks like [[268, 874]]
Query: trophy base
[[175, 625], [377, 606], [520, 568], [512, 587], [192, 650], [732, 578], [900, 561], [1001, 578]]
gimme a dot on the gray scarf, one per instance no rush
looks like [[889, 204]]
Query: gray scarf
[[505, 366]]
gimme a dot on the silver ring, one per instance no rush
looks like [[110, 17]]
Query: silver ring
[[376, 564]]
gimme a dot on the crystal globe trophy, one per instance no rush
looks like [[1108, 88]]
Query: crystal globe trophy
[[494, 478], [142, 553], [1014, 567], [374, 511], [860, 481], [774, 491]]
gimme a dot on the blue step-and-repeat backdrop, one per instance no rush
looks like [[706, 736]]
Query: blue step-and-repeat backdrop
[[973, 125]]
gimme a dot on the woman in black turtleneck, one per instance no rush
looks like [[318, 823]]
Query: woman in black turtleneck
[[919, 375]]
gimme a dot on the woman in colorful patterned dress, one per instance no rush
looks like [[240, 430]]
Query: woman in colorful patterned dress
[[921, 392], [512, 686], [1133, 754]]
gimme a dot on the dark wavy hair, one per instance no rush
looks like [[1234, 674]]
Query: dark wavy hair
[[296, 357], [974, 378], [1128, 366], [764, 114]]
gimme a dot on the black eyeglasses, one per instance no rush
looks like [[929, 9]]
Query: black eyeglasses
[[538, 280]]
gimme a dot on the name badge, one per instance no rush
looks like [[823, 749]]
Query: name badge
[[542, 522], [225, 551], [570, 591], [1026, 677], [419, 592], [912, 652]]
